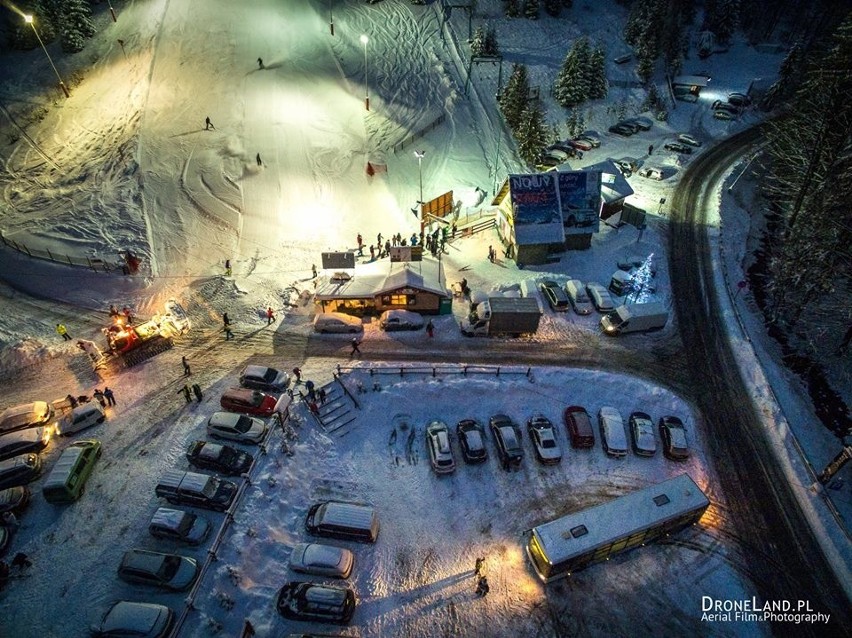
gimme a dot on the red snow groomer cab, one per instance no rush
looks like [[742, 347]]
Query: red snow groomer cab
[[133, 344]]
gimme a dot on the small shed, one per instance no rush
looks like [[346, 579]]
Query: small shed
[[689, 84]]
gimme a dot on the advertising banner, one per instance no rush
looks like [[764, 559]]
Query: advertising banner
[[580, 200]]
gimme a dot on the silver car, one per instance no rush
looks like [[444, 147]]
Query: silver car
[[168, 571], [685, 138], [142, 620], [440, 452], [263, 378], [322, 560], [179, 525], [25, 416], [642, 432], [578, 297], [600, 297], [236, 427], [543, 436]]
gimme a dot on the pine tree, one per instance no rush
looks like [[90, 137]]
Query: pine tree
[[598, 86], [789, 76], [553, 7], [477, 44], [531, 134], [75, 24], [491, 46], [573, 85], [513, 100], [531, 9], [575, 123], [721, 17], [512, 8]]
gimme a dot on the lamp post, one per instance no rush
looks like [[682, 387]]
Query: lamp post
[[112, 11], [331, 15], [420, 155], [364, 41], [29, 20]]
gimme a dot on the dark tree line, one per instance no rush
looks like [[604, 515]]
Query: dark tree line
[[523, 115], [70, 20]]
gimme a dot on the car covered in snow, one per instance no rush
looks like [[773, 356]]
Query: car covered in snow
[[685, 138], [236, 427], [179, 525], [649, 172], [719, 105], [642, 432], [167, 571], [600, 297], [316, 602], [673, 435], [392, 320], [644, 123], [724, 115], [543, 436], [622, 129], [196, 489], [507, 437], [472, 440], [28, 415], [739, 99], [613, 438], [593, 137], [578, 297], [581, 144], [20, 470], [440, 450], [322, 560], [247, 401], [83, 416], [337, 322], [263, 378], [220, 458], [125, 619], [24, 441], [677, 147], [14, 499]]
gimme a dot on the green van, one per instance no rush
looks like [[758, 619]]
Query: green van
[[67, 479]]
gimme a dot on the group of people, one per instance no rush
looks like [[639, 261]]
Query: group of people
[[434, 242], [105, 398]]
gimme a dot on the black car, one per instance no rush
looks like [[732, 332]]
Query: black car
[[621, 129], [472, 440], [316, 602], [20, 470], [507, 437], [673, 434], [24, 441], [219, 458], [555, 295], [677, 147]]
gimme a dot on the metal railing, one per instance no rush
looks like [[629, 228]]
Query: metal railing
[[408, 141], [93, 263], [434, 371]]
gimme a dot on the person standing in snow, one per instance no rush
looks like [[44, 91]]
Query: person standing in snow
[[355, 348], [63, 331], [259, 162], [379, 240], [196, 389], [270, 317], [297, 372], [208, 124], [650, 149], [372, 253], [186, 394], [227, 267], [99, 397], [430, 329], [314, 271], [360, 241], [226, 321], [109, 396], [321, 395], [260, 63], [228, 334], [186, 371], [387, 247]]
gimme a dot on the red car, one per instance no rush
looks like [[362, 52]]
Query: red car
[[581, 145], [247, 401]]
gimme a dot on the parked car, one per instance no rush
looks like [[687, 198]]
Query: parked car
[[248, 401], [322, 560], [600, 297], [400, 320], [440, 451], [685, 138], [219, 458], [337, 322], [677, 147], [579, 427], [28, 415], [644, 123], [564, 147], [472, 439], [631, 124], [19, 470], [719, 105], [556, 297], [14, 499], [613, 439], [627, 165], [724, 115], [126, 619], [543, 436], [507, 438], [555, 153], [593, 137], [739, 99], [82, 417], [642, 432], [316, 602], [547, 162], [673, 435], [578, 297], [236, 427], [622, 129], [196, 489], [167, 571], [263, 378], [581, 144], [24, 441], [651, 173], [179, 525]]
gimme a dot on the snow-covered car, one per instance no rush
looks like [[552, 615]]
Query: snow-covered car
[[28, 415], [440, 450], [179, 525], [14, 499], [392, 320], [613, 439], [719, 105], [472, 439], [627, 165], [20, 470], [139, 620], [651, 173], [220, 458], [600, 297], [543, 436], [593, 137], [673, 435], [316, 602], [677, 147], [564, 147], [263, 378], [622, 129], [578, 297], [685, 138], [24, 441], [739, 99], [83, 416], [236, 427], [581, 144], [724, 115], [196, 489], [507, 437], [555, 153], [644, 123], [248, 401], [556, 297], [322, 560], [642, 431], [167, 571], [337, 322]]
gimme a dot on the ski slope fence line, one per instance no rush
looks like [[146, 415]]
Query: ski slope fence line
[[408, 141], [93, 263], [277, 426], [435, 371]]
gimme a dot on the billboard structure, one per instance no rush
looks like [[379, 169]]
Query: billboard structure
[[406, 253], [535, 209], [338, 260], [580, 201]]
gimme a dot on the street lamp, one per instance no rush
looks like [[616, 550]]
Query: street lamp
[[364, 41], [29, 20], [420, 155], [331, 15]]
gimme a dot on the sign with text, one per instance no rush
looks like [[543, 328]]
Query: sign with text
[[580, 201], [338, 261], [534, 199], [406, 253]]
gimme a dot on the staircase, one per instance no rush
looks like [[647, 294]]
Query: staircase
[[336, 414]]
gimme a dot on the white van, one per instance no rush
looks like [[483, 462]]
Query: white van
[[82, 417], [576, 291], [613, 437], [337, 322]]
